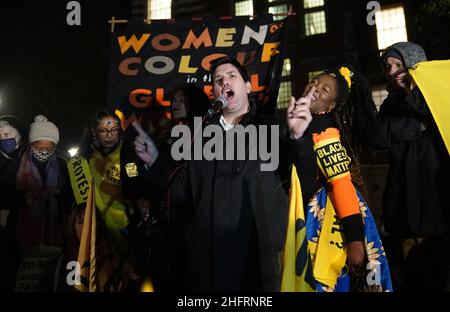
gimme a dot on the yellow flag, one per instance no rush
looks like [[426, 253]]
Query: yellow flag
[[296, 273], [330, 255], [86, 253], [433, 80], [108, 193]]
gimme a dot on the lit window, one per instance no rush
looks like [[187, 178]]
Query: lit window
[[307, 4], [378, 95], [391, 26], [315, 23], [314, 74], [159, 9], [243, 8], [286, 68], [279, 9], [284, 95]]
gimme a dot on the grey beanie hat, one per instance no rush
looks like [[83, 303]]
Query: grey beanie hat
[[411, 53]]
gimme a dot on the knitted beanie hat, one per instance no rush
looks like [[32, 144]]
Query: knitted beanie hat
[[410, 52], [42, 129]]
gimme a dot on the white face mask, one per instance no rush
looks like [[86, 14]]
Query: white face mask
[[41, 156]]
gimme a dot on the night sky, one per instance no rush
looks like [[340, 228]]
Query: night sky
[[49, 67]]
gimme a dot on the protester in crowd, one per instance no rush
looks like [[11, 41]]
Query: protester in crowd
[[41, 189], [344, 117], [115, 270], [187, 102], [414, 201], [237, 212], [162, 234], [12, 144], [116, 172], [12, 140], [156, 123], [12, 134]]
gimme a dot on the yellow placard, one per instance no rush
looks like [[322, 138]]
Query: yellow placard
[[80, 177]]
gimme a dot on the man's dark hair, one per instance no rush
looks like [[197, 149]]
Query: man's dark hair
[[228, 60]]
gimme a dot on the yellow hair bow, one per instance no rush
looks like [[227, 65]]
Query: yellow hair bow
[[347, 74]]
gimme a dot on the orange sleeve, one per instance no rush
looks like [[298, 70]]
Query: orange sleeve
[[334, 163]]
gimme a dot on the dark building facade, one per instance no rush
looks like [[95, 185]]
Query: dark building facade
[[324, 33]]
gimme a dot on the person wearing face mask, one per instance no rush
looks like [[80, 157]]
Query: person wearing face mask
[[12, 132], [10, 139], [41, 189]]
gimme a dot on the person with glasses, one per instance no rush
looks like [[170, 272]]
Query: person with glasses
[[115, 172], [109, 159]]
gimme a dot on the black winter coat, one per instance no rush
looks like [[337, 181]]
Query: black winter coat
[[414, 201], [238, 213]]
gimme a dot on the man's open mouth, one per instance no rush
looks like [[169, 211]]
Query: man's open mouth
[[228, 93]]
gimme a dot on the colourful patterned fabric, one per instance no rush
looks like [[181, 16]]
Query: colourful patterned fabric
[[378, 277], [39, 214]]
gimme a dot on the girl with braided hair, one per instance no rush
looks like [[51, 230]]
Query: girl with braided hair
[[352, 111], [344, 243]]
